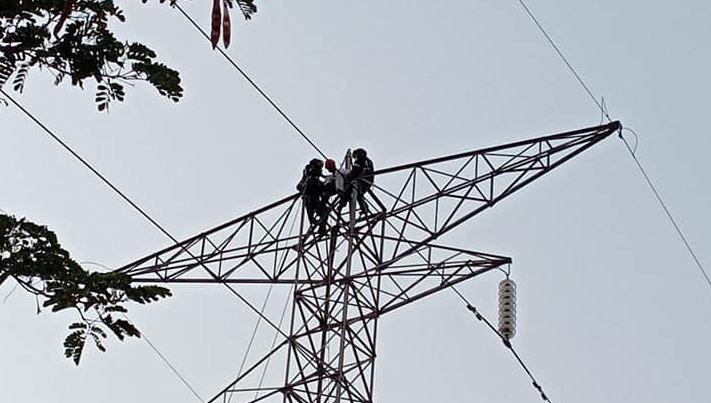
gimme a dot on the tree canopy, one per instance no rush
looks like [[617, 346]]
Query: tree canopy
[[73, 41], [31, 255]]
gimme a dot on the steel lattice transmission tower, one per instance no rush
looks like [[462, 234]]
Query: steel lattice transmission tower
[[367, 266]]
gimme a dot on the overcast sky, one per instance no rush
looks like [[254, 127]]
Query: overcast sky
[[611, 306]]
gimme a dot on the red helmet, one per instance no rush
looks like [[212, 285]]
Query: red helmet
[[330, 165]]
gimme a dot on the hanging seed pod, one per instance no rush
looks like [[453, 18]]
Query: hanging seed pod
[[507, 308]]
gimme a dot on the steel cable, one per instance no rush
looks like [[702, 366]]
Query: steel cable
[[632, 151], [251, 82], [123, 196], [507, 343]]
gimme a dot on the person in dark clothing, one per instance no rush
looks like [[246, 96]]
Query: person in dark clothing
[[362, 169], [312, 192], [361, 176], [315, 166]]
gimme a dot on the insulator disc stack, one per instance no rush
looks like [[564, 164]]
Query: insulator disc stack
[[507, 308]]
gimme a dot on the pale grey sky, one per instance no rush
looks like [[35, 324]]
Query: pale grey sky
[[611, 307]]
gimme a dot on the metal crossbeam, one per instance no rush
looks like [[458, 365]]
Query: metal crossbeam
[[370, 263]]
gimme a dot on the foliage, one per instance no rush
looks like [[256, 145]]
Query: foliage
[[31, 255], [72, 40]]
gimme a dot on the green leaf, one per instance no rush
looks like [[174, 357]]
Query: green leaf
[[18, 83], [99, 331], [38, 260], [78, 325], [247, 7], [84, 48], [74, 345], [7, 67], [97, 342]]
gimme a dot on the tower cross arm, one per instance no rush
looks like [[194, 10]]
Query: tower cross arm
[[258, 247], [418, 203], [411, 205]]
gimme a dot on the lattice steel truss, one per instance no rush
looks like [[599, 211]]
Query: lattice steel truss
[[368, 264]]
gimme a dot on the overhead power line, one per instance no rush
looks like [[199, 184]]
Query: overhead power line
[[251, 82], [565, 59], [667, 212], [143, 212], [123, 196], [88, 165], [633, 155], [171, 366], [153, 346], [507, 343]]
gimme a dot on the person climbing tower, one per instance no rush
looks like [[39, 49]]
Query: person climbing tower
[[312, 190], [314, 165], [361, 176]]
